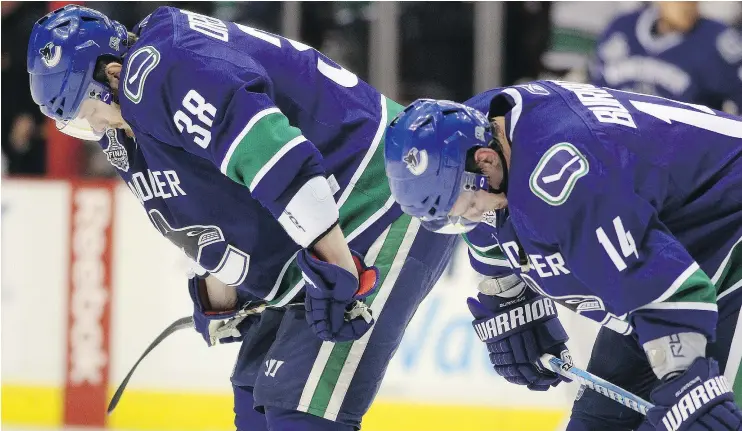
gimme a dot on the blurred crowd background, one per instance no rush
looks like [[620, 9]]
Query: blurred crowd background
[[436, 49]]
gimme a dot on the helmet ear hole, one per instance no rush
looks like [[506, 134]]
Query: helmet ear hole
[[99, 73]]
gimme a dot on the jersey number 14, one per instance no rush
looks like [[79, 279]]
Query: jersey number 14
[[625, 242]]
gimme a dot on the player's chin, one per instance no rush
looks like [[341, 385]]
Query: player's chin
[[493, 202]]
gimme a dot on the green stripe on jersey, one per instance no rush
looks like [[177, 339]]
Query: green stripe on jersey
[[696, 288], [371, 191], [258, 145], [365, 197], [340, 351], [731, 273], [492, 252]]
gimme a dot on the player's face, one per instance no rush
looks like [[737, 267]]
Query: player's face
[[472, 205], [680, 16], [98, 114], [91, 122]]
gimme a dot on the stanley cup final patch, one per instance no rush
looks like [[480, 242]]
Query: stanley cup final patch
[[116, 153], [557, 172]]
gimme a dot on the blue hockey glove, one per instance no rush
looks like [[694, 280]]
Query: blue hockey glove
[[700, 399], [334, 307], [217, 327], [518, 329]]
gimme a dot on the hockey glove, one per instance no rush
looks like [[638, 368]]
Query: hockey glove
[[699, 399], [334, 307], [518, 329], [217, 327]]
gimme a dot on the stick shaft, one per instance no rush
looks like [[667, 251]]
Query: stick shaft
[[595, 383]]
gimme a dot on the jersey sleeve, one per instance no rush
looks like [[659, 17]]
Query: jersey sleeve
[[485, 255], [613, 241], [223, 111], [724, 72]]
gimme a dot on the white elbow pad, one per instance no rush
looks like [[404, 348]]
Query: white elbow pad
[[311, 212]]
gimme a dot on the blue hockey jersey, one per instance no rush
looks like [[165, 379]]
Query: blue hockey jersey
[[623, 207], [249, 146], [703, 66]]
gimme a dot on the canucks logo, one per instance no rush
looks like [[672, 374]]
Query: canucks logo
[[116, 153], [51, 54], [557, 172], [138, 67], [416, 161]]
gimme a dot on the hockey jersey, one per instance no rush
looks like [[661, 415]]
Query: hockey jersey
[[703, 66], [249, 146], [625, 208]]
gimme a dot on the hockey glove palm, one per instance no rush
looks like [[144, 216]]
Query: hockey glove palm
[[334, 307], [517, 330], [700, 399]]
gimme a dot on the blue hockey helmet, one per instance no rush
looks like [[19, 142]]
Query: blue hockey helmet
[[62, 53], [425, 154]]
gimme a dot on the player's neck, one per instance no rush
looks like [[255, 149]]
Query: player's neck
[[663, 27]]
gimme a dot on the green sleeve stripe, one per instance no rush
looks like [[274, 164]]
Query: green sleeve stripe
[[250, 124], [692, 290], [267, 137], [491, 252], [729, 274]]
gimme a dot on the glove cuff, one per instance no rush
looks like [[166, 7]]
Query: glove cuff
[[516, 319], [197, 288], [674, 353]]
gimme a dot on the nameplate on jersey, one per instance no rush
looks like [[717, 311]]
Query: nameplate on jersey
[[140, 64], [557, 172]]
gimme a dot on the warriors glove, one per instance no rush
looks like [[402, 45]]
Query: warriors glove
[[334, 297], [699, 399], [518, 329]]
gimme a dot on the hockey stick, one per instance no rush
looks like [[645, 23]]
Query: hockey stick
[[607, 389], [182, 323]]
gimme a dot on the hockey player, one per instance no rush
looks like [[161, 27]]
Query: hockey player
[[667, 49], [623, 207], [263, 161]]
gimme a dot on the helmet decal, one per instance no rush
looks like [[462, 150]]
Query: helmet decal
[[51, 54], [114, 43], [479, 133], [417, 161]]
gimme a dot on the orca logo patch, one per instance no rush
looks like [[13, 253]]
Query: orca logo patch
[[140, 64], [51, 54], [416, 161], [557, 172]]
